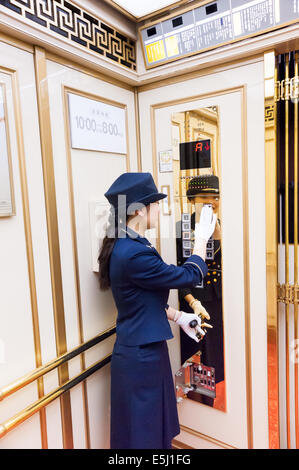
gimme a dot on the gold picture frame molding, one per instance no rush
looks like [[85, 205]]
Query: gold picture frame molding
[[8, 148]]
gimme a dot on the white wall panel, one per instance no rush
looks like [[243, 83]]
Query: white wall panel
[[15, 304], [25, 436]]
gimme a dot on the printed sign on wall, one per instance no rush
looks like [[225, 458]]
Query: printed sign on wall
[[96, 125]]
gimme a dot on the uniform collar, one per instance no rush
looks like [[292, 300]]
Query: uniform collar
[[135, 236]]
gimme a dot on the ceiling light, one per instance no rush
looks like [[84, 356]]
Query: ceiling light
[[140, 8]]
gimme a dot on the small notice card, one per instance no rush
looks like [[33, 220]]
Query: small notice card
[[165, 161]]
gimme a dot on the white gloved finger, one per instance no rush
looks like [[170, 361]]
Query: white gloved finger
[[193, 336], [214, 221], [193, 316], [206, 226], [206, 214]]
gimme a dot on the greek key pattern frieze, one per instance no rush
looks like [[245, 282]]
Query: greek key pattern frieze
[[73, 23], [269, 113]]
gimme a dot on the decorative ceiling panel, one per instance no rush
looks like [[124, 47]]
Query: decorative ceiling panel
[[78, 26]]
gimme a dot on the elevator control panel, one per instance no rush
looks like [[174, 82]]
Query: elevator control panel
[[196, 377]]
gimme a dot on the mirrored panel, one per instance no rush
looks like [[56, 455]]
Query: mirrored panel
[[195, 141], [6, 186]]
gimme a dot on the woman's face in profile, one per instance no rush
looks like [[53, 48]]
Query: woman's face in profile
[[153, 214]]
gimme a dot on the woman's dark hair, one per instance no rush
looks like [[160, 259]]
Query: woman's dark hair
[[115, 222], [107, 247]]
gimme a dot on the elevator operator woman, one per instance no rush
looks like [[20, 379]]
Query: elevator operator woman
[[143, 404]]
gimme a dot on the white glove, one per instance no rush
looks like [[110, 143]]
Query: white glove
[[183, 319], [206, 226]]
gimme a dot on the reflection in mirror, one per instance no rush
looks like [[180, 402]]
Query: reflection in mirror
[[195, 142], [6, 188]]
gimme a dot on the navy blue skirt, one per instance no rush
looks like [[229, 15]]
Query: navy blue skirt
[[143, 403]]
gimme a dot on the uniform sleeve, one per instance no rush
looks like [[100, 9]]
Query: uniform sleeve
[[184, 292], [147, 270]]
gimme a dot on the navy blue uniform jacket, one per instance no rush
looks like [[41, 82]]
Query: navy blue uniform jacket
[[140, 283]]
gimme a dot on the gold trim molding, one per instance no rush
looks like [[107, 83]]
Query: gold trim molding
[[28, 238], [288, 293], [138, 139], [53, 236], [176, 444], [206, 438], [271, 246], [8, 148]]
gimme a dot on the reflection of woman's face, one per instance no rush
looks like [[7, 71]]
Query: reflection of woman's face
[[208, 198]]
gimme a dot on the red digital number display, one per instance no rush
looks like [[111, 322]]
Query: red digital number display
[[196, 154]]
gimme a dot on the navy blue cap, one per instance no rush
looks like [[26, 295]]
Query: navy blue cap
[[137, 187], [203, 184]]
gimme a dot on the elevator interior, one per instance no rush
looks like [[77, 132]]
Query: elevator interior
[[87, 94]]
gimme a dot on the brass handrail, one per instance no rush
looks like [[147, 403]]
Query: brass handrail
[[26, 413], [42, 370]]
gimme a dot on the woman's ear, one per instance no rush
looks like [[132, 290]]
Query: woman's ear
[[142, 212]]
